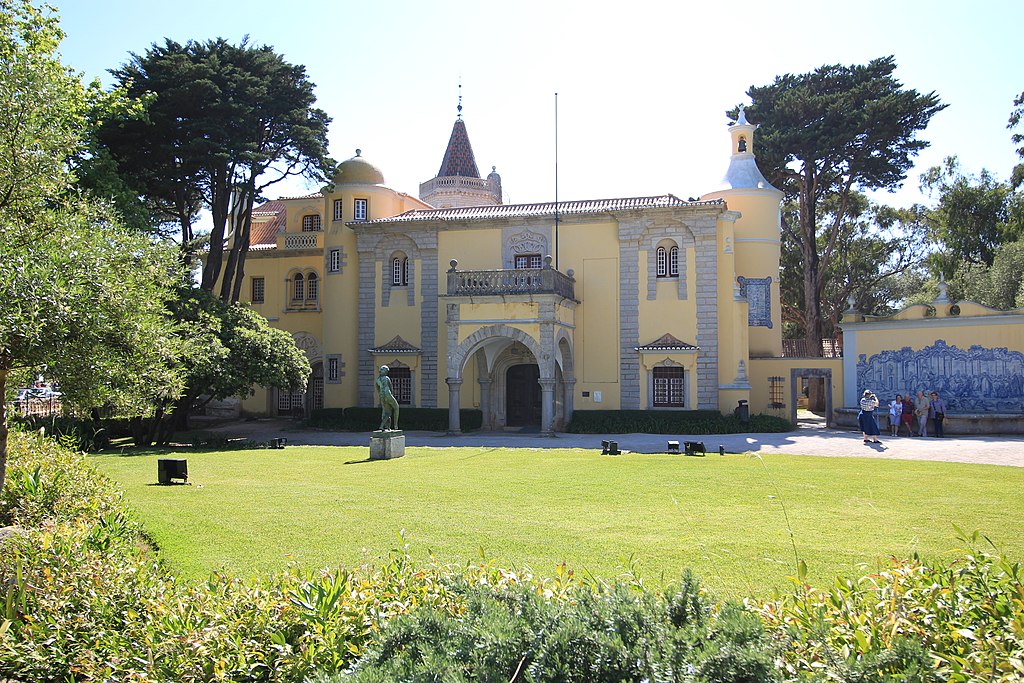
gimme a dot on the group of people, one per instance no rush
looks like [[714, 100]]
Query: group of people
[[903, 412]]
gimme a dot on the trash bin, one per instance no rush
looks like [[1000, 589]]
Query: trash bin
[[742, 412]]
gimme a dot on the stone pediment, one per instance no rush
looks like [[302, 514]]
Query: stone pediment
[[397, 345], [667, 342]]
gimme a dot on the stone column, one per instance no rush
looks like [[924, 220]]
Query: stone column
[[547, 406], [569, 390], [454, 384], [485, 401]]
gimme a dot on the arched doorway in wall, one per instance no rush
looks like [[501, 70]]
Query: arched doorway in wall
[[522, 395]]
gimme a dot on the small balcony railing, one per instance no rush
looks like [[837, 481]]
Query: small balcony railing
[[517, 281], [302, 240]]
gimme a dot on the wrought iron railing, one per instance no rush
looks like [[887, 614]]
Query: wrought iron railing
[[518, 281]]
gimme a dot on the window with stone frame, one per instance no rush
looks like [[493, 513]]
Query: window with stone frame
[[401, 384], [334, 261], [339, 209], [776, 387], [311, 223], [400, 271], [528, 261], [673, 262], [662, 256], [669, 387], [258, 290], [359, 210], [333, 368], [298, 287]]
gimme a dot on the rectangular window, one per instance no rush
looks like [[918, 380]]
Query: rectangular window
[[311, 223], [669, 387], [339, 208], [290, 402], [401, 385], [359, 210], [776, 385], [258, 290], [334, 261], [332, 369], [528, 261]]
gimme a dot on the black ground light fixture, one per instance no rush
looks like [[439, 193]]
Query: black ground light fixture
[[673, 448], [694, 448], [721, 449], [168, 469], [610, 448]]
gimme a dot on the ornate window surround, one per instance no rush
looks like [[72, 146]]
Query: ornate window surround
[[662, 244]]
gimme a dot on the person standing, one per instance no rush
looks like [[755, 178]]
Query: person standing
[[921, 408], [895, 415], [908, 414], [937, 412], [868, 426]]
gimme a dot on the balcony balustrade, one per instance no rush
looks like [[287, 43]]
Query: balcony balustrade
[[517, 281]]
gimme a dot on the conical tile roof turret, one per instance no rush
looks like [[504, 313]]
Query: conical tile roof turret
[[458, 158]]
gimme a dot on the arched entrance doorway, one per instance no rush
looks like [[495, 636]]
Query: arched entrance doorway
[[522, 396]]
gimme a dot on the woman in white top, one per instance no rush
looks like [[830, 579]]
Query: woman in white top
[[895, 414]]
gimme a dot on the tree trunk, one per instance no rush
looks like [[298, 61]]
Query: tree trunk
[[3, 428], [812, 268]]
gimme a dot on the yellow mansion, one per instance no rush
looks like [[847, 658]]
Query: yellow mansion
[[525, 311]]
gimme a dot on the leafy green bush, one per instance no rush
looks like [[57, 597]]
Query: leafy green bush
[[670, 422], [84, 434], [615, 633], [914, 621], [358, 419]]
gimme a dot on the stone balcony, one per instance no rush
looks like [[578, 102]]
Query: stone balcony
[[545, 280], [292, 241]]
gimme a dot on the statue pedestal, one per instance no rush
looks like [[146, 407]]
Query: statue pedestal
[[387, 444]]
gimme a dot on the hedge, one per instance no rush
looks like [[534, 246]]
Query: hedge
[[358, 419], [671, 422]]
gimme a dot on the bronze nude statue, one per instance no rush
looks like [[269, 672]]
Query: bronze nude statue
[[388, 403]]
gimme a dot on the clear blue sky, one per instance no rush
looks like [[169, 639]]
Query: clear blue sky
[[642, 86]]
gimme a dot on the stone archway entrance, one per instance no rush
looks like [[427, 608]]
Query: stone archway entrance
[[523, 396], [820, 376]]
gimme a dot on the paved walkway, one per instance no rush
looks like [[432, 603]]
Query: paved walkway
[[809, 440]]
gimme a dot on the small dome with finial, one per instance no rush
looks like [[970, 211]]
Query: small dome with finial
[[358, 171]]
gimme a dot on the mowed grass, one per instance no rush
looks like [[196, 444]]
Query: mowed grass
[[257, 511]]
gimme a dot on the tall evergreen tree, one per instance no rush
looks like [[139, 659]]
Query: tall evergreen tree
[[826, 135], [223, 122]]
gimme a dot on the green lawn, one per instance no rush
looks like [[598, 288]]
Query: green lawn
[[260, 510]]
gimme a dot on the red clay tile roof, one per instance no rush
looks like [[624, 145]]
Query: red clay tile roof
[[458, 158], [588, 206], [264, 232], [667, 342]]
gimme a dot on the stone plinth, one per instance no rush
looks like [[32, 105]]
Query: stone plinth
[[387, 444]]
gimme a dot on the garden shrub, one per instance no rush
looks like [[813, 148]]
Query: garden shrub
[[84, 434], [913, 621], [694, 422], [589, 634]]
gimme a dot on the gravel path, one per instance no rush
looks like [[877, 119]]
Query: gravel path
[[814, 441]]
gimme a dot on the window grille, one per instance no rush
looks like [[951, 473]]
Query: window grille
[[311, 223], [776, 386], [669, 387], [258, 290], [528, 261], [298, 287], [332, 369], [401, 385]]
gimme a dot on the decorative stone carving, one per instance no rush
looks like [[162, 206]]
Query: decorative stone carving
[[975, 380], [309, 344]]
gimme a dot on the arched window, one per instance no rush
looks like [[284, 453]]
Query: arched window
[[400, 271], [312, 287], [311, 223], [298, 288], [673, 262], [662, 262]]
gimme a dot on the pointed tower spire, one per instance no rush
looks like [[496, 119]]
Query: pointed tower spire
[[462, 184]]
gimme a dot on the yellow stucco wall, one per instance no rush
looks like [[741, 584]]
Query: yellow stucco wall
[[763, 368]]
